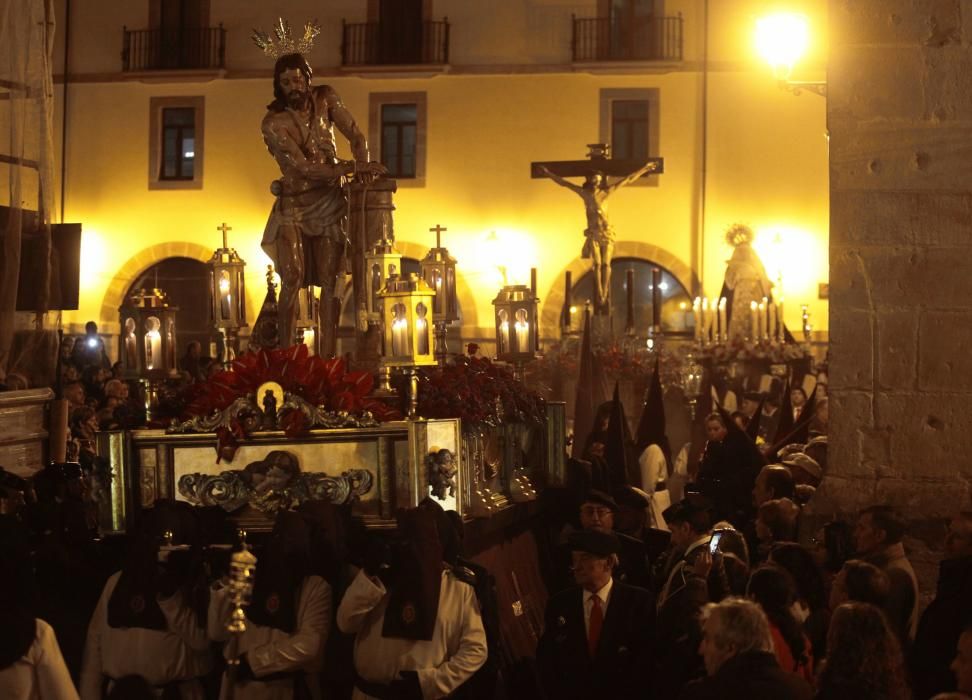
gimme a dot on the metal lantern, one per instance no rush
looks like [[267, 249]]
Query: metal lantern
[[306, 321], [439, 272], [407, 320], [227, 295], [381, 262], [407, 333], [148, 341], [517, 336], [692, 380]]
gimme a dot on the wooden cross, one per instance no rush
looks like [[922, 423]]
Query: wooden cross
[[597, 163], [224, 228], [438, 231]]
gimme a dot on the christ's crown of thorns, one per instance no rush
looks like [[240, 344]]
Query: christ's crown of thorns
[[282, 42]]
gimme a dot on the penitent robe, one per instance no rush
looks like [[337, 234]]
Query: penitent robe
[[456, 651]]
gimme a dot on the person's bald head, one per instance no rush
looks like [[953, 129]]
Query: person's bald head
[[958, 539]]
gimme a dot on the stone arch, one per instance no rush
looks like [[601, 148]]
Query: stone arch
[[467, 302], [138, 264], [553, 300]]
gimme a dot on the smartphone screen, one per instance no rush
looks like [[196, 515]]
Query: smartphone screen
[[714, 541]]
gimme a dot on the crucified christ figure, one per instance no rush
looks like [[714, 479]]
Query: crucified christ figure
[[599, 246]]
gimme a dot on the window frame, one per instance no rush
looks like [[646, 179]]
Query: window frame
[[156, 143], [400, 127], [376, 101], [607, 98]]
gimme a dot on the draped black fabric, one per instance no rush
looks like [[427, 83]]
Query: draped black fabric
[[16, 592], [651, 426], [618, 444], [752, 430], [134, 602], [281, 569], [413, 603]]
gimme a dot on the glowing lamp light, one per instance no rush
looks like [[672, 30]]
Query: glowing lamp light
[[517, 336], [407, 316], [781, 40], [148, 341], [227, 292], [381, 262]]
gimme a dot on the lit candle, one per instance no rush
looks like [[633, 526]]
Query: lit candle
[[779, 313], [399, 337], [153, 350], [522, 336], [422, 336], [761, 316], [697, 315], [656, 297], [705, 320], [504, 327], [723, 327], [771, 316], [753, 321]]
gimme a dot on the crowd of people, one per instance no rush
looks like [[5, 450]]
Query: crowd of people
[[714, 585]]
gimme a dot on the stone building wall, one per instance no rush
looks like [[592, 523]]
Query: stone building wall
[[900, 122]]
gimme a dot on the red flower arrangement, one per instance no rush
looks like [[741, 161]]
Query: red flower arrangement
[[478, 392], [320, 382]]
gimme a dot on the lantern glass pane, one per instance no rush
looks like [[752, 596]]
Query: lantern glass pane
[[170, 343], [374, 281], [129, 357], [399, 331], [502, 331], [421, 329], [153, 343], [522, 327], [450, 292]]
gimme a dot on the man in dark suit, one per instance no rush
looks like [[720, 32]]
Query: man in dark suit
[[597, 635]]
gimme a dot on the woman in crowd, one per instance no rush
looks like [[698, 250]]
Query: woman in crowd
[[812, 605], [864, 660], [281, 653], [861, 582], [773, 588]]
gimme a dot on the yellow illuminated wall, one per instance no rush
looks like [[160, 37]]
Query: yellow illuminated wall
[[504, 105]]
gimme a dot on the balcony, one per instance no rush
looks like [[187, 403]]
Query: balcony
[[378, 44], [606, 39], [178, 49]]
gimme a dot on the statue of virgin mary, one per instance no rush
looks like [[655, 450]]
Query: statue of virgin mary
[[746, 281]]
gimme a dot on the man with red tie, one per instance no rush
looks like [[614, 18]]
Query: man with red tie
[[597, 635]]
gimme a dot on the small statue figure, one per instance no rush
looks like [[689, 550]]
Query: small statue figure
[[306, 235], [442, 470], [270, 408], [599, 243]]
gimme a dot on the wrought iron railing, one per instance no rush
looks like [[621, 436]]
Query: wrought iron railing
[[173, 49], [608, 39], [384, 44]]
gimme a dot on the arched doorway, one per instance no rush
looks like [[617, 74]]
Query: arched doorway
[[186, 283], [676, 302]]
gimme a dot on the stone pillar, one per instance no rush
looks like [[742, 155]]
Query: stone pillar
[[900, 121], [370, 221]]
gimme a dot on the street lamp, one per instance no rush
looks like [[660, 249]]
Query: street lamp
[[439, 272], [782, 39], [227, 296]]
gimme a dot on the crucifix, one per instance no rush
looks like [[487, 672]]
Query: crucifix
[[224, 228], [599, 243], [438, 234]]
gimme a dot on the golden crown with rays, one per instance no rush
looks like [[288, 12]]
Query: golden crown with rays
[[282, 42]]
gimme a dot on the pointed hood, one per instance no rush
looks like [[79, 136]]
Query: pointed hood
[[651, 427], [618, 445], [591, 390], [702, 409], [584, 402], [752, 430], [785, 426]]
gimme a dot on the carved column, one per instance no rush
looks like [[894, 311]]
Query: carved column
[[371, 219]]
